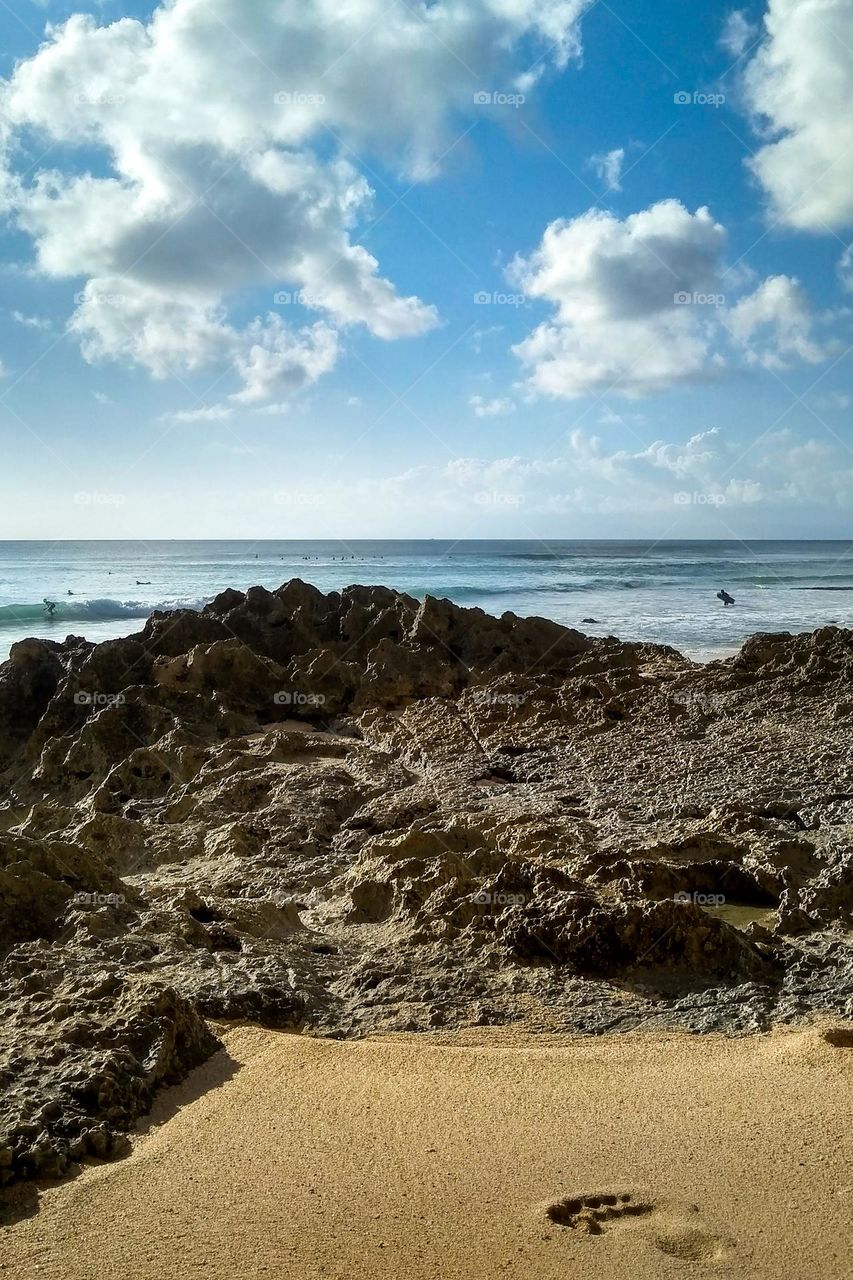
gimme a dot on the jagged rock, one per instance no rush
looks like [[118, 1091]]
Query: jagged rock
[[828, 898], [816, 658], [604, 938], [791, 919], [37, 881], [357, 812], [82, 1060], [28, 681]]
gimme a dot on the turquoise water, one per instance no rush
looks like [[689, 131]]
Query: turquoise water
[[663, 592]]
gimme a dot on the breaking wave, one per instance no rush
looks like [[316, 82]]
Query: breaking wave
[[80, 610]]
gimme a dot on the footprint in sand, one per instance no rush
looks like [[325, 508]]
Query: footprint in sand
[[593, 1214], [675, 1229]]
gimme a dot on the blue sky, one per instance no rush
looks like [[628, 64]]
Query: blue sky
[[470, 269]]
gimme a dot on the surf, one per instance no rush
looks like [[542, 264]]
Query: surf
[[76, 609]]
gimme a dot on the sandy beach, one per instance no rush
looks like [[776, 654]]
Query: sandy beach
[[430, 962], [426, 640], [423, 1157]]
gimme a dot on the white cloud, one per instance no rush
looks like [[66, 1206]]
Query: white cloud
[[615, 285], [102, 397], [31, 322], [708, 478], [205, 117], [738, 33], [491, 408], [845, 268], [608, 166], [279, 360], [610, 418], [206, 413], [775, 324], [479, 334], [798, 86], [275, 410], [640, 307]]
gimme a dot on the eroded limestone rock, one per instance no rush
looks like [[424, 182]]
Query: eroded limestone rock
[[358, 812]]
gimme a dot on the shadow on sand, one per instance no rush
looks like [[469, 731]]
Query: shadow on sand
[[21, 1200]]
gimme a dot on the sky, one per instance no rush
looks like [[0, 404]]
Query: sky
[[426, 268]]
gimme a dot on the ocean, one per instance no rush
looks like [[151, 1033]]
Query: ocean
[[657, 591]]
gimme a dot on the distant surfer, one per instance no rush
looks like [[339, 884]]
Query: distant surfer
[[49, 607], [726, 598], [147, 583]]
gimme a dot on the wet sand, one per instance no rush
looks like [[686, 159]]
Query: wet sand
[[432, 1158]]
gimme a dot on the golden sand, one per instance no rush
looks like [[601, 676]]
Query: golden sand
[[665, 1156]]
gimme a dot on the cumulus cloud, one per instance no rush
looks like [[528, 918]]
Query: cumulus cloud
[[207, 121], [776, 326], [640, 307], [798, 87], [279, 360], [619, 289], [491, 408], [608, 166]]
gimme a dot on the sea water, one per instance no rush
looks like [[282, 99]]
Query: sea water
[[663, 592]]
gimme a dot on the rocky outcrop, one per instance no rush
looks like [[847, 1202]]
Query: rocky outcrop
[[359, 812], [809, 661], [28, 681], [82, 1060]]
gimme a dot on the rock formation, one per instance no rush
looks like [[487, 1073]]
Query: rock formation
[[356, 812]]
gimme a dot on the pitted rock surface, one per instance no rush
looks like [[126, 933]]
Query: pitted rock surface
[[358, 812]]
